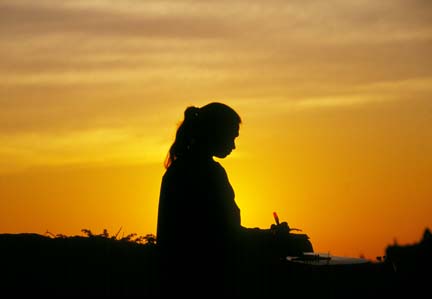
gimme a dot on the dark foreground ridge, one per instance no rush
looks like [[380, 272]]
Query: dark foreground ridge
[[105, 267]]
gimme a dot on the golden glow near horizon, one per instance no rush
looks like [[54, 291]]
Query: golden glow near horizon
[[335, 98]]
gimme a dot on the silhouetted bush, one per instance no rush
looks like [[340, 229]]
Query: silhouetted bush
[[78, 265]]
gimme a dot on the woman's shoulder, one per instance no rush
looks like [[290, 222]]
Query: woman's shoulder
[[184, 166]]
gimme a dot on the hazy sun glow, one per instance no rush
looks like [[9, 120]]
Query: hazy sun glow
[[335, 98]]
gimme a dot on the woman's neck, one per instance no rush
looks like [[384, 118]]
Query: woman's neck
[[200, 155]]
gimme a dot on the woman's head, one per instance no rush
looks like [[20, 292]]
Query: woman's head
[[209, 131]]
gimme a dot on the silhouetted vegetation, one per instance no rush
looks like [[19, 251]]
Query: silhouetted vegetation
[[412, 265], [76, 266], [104, 265], [149, 239]]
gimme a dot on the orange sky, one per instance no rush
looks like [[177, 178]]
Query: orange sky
[[335, 98]]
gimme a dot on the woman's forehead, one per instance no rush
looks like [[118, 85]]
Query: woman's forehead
[[230, 131]]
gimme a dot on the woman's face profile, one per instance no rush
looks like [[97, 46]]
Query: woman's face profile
[[225, 142]]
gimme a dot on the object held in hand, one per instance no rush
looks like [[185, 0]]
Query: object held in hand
[[281, 227], [276, 217]]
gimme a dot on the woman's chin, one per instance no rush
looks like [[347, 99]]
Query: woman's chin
[[222, 155]]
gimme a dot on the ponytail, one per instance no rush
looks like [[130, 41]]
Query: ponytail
[[185, 136]]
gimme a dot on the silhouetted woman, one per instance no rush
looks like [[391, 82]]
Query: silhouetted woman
[[198, 219]]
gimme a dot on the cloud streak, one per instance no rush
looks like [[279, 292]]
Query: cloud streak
[[34, 20]]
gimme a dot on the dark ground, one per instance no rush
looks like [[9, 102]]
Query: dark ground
[[33, 265]]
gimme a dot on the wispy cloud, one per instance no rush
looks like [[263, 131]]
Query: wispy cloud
[[343, 21], [32, 20], [332, 102], [379, 92], [103, 146]]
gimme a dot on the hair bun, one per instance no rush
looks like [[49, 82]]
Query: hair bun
[[191, 113]]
